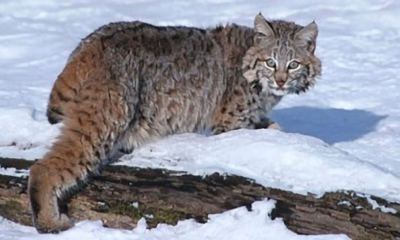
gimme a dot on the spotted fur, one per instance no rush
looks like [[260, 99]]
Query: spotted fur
[[130, 83], [290, 49]]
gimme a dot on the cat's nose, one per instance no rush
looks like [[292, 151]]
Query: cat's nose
[[280, 83]]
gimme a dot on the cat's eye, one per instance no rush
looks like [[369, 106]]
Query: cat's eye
[[293, 65], [270, 63]]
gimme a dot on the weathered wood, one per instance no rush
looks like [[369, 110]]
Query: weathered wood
[[170, 196]]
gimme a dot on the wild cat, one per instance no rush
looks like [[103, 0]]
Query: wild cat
[[127, 84]]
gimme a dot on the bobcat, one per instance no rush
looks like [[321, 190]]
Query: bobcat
[[127, 84]]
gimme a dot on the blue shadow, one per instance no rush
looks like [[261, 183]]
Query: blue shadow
[[328, 124]]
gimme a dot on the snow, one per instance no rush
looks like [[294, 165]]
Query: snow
[[24, 133], [288, 161], [384, 209], [343, 134], [346, 203], [14, 172], [237, 224]]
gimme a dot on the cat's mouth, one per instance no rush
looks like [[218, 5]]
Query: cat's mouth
[[279, 89], [288, 87], [272, 87]]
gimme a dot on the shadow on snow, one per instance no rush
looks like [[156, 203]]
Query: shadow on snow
[[328, 124]]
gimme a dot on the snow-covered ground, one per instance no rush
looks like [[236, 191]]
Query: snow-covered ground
[[237, 224], [343, 134]]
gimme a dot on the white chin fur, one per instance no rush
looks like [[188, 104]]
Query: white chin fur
[[278, 92]]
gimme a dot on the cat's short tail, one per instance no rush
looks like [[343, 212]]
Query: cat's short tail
[[64, 91], [85, 59], [54, 115]]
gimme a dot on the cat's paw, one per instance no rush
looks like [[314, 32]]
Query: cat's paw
[[53, 225], [275, 126]]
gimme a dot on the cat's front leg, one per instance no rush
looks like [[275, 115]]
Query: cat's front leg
[[267, 123]]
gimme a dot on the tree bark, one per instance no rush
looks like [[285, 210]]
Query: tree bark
[[121, 195]]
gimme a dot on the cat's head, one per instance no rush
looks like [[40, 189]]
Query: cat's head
[[282, 59]]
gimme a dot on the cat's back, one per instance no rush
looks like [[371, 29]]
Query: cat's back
[[177, 72], [162, 42], [158, 53], [161, 53], [180, 70]]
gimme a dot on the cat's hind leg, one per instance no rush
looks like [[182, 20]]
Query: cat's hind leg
[[88, 139]]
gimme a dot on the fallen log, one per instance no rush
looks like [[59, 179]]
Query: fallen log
[[121, 195]]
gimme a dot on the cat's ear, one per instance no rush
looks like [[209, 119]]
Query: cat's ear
[[308, 36], [263, 29]]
